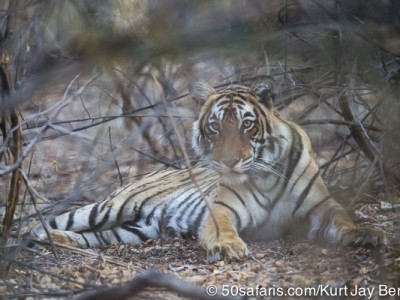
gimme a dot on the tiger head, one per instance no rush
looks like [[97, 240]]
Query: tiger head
[[235, 131]]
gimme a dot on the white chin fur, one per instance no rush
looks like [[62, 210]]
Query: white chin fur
[[233, 178]]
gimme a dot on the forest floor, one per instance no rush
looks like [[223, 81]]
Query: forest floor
[[275, 269]]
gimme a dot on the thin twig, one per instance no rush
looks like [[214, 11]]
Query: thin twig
[[90, 253], [336, 122], [190, 169], [58, 107], [115, 159], [34, 194]]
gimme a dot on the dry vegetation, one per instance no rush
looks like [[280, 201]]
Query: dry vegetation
[[92, 93]]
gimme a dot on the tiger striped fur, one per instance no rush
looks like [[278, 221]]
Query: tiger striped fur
[[257, 174]]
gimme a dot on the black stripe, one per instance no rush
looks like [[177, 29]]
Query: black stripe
[[225, 102], [151, 214], [104, 220], [201, 135], [105, 241], [259, 109], [294, 157], [263, 117], [260, 192], [96, 234], [201, 121], [317, 205], [86, 241], [305, 193], [156, 181], [164, 218], [267, 124], [301, 175], [121, 210], [213, 118], [92, 219], [234, 192], [220, 97], [103, 205], [238, 220], [260, 141], [195, 226], [270, 146], [241, 97], [174, 188], [267, 175], [70, 222], [247, 114], [186, 200], [159, 180], [196, 203], [183, 210], [256, 114], [260, 136], [169, 216], [93, 215], [240, 199], [263, 205], [138, 216], [53, 223], [117, 236], [143, 237]]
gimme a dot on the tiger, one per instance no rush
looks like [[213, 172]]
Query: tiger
[[256, 177]]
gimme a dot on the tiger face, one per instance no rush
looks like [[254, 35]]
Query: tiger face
[[234, 132]]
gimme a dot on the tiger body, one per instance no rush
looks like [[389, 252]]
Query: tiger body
[[258, 177]]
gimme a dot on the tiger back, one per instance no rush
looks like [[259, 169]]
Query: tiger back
[[257, 174]]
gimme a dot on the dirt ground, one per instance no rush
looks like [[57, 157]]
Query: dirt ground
[[274, 269]]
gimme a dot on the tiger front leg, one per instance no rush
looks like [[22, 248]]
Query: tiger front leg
[[332, 224], [220, 238]]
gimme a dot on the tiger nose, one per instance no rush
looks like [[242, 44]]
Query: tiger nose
[[230, 162]]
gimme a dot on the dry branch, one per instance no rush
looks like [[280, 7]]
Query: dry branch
[[14, 144], [153, 279], [16, 151]]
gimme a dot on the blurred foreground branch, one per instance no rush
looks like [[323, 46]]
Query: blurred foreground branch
[[153, 279]]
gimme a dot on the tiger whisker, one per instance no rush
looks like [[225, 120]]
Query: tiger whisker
[[266, 168]]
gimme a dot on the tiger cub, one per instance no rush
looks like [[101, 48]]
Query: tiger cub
[[257, 176]]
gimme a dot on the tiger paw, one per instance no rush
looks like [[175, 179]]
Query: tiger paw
[[227, 250], [365, 237]]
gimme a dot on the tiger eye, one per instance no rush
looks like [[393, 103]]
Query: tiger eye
[[247, 124], [214, 126]]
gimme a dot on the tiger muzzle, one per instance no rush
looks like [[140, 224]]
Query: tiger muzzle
[[230, 150], [231, 163]]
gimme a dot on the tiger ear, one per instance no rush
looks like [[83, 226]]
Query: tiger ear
[[264, 89], [201, 91]]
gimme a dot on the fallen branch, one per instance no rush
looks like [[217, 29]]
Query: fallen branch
[[153, 279]]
